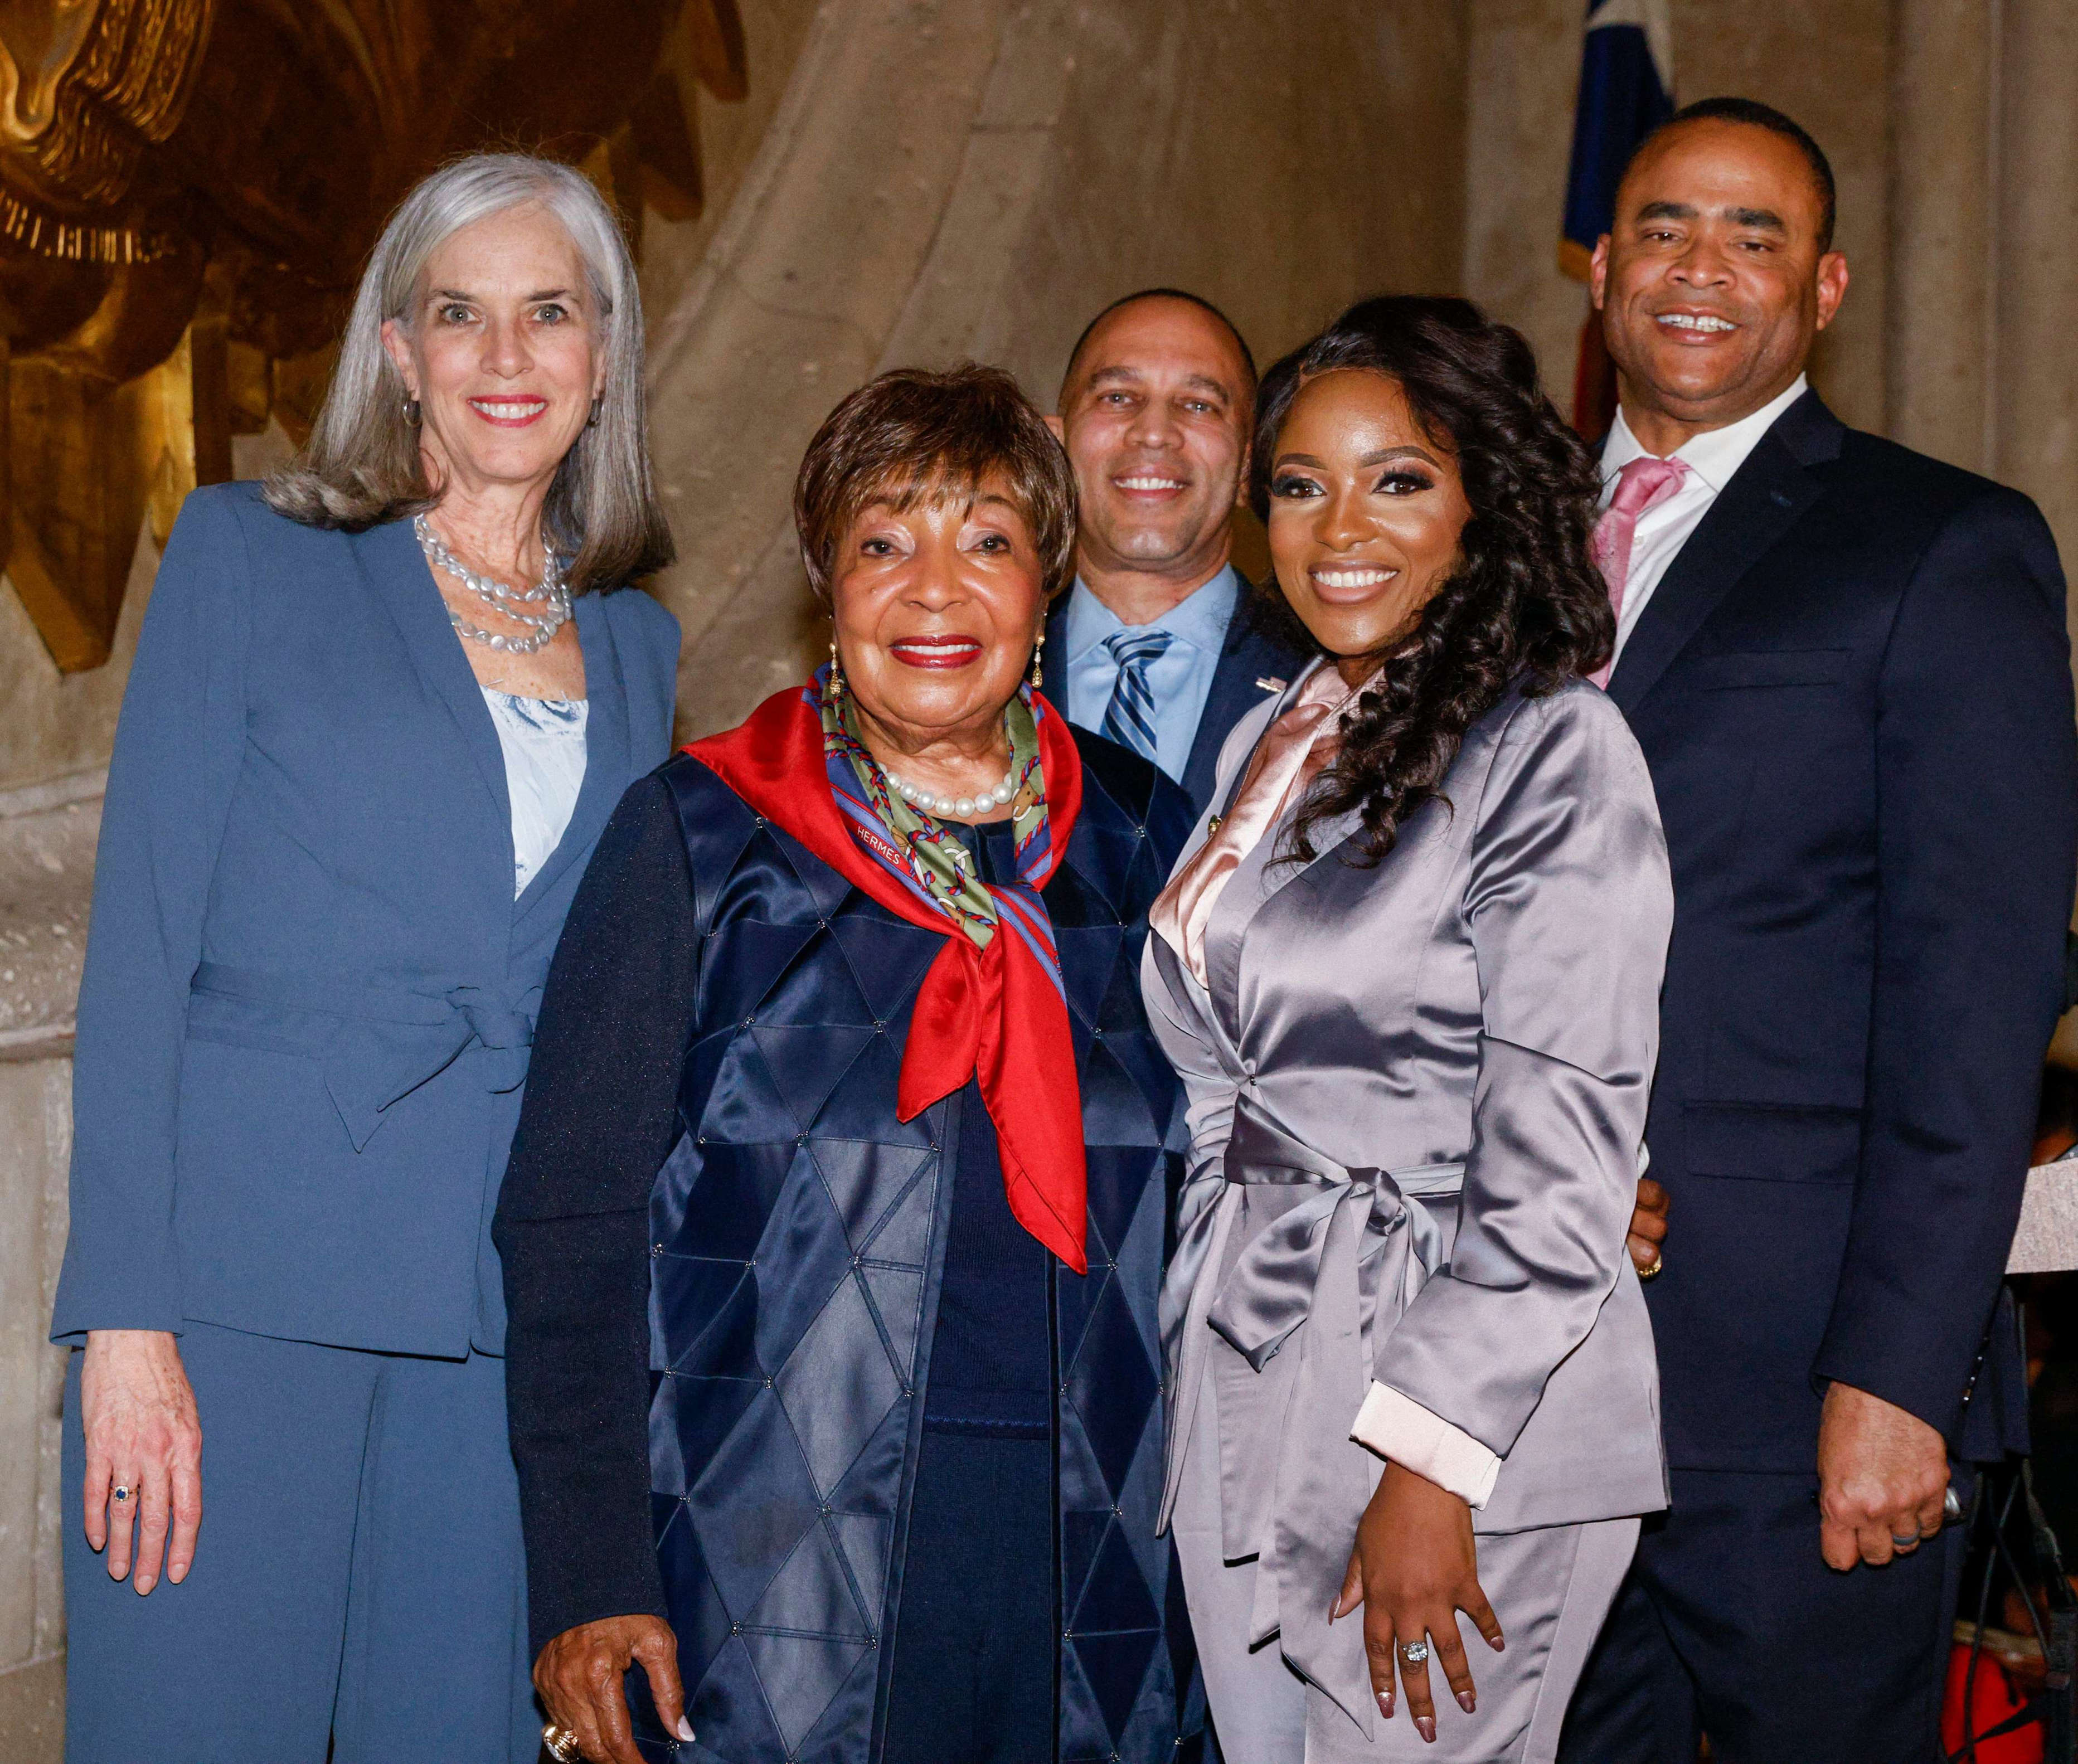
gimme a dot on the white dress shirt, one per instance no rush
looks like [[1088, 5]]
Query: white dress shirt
[[1711, 457]]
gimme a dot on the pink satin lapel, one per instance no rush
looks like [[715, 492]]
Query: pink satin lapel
[[1293, 751]]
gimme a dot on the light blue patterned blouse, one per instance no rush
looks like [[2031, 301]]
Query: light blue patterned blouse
[[544, 743]]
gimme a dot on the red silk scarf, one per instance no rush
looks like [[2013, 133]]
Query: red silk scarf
[[997, 1015]]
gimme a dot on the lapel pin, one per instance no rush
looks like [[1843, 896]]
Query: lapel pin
[[1271, 683]]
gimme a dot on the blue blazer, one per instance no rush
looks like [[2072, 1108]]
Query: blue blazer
[[1853, 690], [309, 993]]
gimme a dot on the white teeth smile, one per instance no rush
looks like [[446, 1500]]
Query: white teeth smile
[[1684, 321], [509, 413], [1148, 483], [1353, 578]]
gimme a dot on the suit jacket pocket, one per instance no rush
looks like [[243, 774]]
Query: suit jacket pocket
[[1769, 668], [1769, 1142]]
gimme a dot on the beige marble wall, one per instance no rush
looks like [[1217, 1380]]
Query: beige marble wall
[[36, 1135], [974, 177]]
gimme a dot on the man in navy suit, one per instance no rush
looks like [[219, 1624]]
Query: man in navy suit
[[1159, 645], [1847, 665]]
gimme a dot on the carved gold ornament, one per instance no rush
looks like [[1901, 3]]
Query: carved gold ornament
[[188, 189]]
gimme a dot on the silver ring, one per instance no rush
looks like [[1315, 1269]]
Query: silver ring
[[1905, 1543], [561, 1744], [1415, 1653], [122, 1493]]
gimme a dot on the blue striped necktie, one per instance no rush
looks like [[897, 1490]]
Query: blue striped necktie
[[1129, 717]]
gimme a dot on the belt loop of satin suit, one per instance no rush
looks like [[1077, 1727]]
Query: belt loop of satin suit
[[1321, 1281], [378, 1044]]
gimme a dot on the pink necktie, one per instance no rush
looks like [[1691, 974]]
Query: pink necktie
[[1293, 751], [1642, 483]]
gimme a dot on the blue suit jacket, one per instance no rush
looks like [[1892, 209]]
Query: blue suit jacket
[[309, 993], [1853, 691], [1251, 655]]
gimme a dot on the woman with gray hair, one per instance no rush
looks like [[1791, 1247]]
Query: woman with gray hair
[[381, 711]]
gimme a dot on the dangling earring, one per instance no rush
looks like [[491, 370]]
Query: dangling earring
[[835, 689], [1038, 648], [412, 412]]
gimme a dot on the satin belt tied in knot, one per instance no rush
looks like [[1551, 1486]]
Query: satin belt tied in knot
[[1344, 1262], [378, 1044], [1268, 1292]]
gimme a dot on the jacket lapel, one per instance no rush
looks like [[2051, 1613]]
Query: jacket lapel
[[608, 745], [1247, 658], [395, 567], [1765, 498]]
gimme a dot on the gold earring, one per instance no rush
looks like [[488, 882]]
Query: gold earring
[[1038, 648], [837, 686]]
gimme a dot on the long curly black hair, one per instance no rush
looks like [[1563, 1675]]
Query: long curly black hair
[[1525, 600]]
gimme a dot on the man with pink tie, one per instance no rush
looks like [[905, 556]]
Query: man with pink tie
[[1847, 668]]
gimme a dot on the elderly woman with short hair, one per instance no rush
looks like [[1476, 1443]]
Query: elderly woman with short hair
[[381, 711], [834, 1224]]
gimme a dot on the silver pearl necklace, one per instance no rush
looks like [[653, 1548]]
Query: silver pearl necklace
[[552, 593], [960, 807]]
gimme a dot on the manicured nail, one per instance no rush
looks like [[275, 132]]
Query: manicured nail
[[1499, 1644], [1385, 1703], [1425, 1726], [685, 1728], [1467, 1701]]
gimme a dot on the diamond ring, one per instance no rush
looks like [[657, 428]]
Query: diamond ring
[[1414, 1653], [122, 1493]]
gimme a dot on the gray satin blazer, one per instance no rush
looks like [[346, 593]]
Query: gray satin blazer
[[1417, 1096]]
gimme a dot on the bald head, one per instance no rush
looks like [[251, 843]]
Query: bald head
[[1166, 307]]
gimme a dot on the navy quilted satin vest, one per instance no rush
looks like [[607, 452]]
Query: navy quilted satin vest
[[799, 1236]]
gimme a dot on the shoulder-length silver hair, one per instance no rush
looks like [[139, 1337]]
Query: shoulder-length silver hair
[[362, 464]]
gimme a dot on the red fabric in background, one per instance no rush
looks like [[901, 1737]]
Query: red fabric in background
[[1992, 1700]]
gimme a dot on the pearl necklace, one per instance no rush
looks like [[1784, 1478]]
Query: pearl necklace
[[552, 593], [959, 807]]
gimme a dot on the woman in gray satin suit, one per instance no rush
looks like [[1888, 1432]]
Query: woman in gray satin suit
[[1409, 969]]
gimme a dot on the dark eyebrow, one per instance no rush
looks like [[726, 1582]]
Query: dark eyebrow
[[1764, 218], [1384, 453], [1204, 383]]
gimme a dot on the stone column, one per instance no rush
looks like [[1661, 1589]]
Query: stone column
[[1943, 186], [2036, 420]]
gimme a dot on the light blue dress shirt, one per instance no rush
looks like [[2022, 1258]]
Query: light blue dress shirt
[[1180, 678]]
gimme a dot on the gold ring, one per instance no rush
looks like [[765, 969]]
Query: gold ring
[[561, 1744], [1653, 1272]]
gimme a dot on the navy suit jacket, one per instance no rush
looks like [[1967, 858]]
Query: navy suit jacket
[[1251, 655], [1853, 690], [309, 993]]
